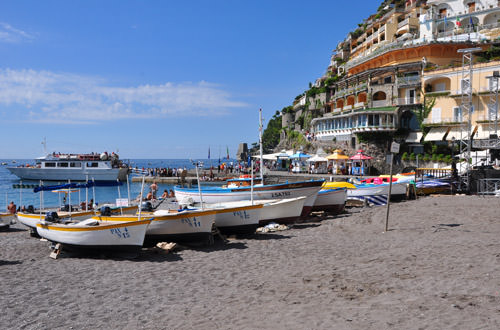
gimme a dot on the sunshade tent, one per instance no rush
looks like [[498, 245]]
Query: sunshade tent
[[338, 159], [300, 155], [317, 158], [337, 155], [358, 166], [360, 156]]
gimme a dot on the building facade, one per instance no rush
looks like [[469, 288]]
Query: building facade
[[380, 75]]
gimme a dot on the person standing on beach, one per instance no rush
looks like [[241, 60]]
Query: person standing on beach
[[11, 208], [154, 189]]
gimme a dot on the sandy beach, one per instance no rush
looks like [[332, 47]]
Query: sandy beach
[[437, 268]]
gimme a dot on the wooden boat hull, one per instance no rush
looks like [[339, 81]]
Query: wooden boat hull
[[124, 236], [331, 200], [236, 217], [283, 211], [377, 193], [6, 219], [193, 226], [32, 219]]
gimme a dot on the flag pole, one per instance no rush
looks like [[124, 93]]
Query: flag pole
[[260, 150]]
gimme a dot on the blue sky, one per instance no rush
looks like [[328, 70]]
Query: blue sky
[[158, 79]]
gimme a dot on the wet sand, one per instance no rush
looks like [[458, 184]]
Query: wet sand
[[437, 268]]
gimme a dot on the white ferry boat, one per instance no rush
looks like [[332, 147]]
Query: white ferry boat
[[74, 167]]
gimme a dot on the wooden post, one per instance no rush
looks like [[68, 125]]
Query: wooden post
[[389, 195], [394, 149]]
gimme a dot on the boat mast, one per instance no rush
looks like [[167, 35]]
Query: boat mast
[[44, 142], [260, 143]]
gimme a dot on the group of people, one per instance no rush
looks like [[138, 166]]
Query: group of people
[[163, 172], [153, 190]]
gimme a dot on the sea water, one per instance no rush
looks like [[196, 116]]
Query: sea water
[[26, 196]]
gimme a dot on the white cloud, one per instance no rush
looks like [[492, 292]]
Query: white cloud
[[48, 97], [10, 34]]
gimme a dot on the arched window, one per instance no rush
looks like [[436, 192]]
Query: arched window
[[379, 96]]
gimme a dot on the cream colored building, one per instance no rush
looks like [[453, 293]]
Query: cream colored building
[[448, 119]]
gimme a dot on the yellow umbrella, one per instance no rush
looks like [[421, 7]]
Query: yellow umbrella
[[337, 155]]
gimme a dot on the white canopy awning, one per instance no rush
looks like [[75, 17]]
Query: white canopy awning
[[317, 158], [414, 137], [267, 157], [436, 134]]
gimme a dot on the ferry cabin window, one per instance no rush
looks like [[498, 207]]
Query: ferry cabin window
[[92, 165], [75, 164], [50, 164], [62, 164]]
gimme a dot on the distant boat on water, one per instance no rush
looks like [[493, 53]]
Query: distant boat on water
[[74, 167]]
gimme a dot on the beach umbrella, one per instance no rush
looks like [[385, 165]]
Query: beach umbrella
[[337, 155], [360, 156]]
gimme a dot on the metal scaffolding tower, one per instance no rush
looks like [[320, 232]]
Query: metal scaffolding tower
[[492, 142], [467, 109]]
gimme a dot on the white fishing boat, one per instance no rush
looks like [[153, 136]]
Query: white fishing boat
[[236, 217], [331, 200], [377, 193], [74, 167], [213, 195], [6, 219], [286, 210], [96, 235], [31, 220], [187, 225]]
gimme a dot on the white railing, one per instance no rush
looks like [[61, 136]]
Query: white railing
[[337, 110], [403, 23], [347, 107], [408, 101], [443, 120], [380, 103], [359, 105], [410, 80]]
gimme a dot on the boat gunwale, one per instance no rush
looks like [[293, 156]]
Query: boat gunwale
[[63, 227]]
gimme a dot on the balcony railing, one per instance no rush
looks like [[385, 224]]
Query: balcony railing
[[369, 55], [359, 105], [381, 103], [408, 101], [444, 120], [403, 23], [347, 107], [410, 80], [361, 86]]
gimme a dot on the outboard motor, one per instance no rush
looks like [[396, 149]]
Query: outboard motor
[[30, 209], [146, 207], [105, 211], [51, 217]]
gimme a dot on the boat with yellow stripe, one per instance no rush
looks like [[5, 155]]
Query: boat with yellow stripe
[[6, 219], [92, 234], [188, 225], [31, 220]]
